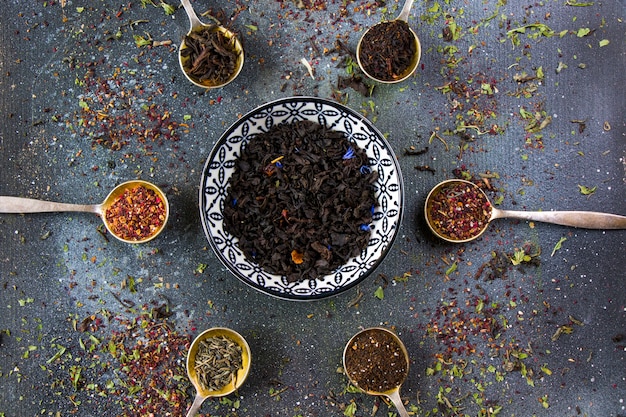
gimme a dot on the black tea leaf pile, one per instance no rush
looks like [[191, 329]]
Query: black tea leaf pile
[[301, 200]]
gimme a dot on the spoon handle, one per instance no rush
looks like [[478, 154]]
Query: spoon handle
[[191, 14], [195, 407], [394, 396], [582, 219], [29, 205], [406, 9]]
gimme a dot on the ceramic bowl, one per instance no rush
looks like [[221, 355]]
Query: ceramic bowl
[[220, 165]]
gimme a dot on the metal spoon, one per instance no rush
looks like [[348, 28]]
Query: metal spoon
[[582, 219], [403, 16], [195, 26], [29, 205], [201, 393], [392, 394]]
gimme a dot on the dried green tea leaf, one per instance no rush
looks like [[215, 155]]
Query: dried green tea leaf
[[379, 293], [558, 245], [584, 190]]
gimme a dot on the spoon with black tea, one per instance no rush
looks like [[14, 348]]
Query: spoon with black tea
[[210, 56], [459, 211], [137, 203], [389, 52], [377, 362], [203, 349]]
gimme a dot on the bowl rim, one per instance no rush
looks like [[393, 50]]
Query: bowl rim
[[394, 230]]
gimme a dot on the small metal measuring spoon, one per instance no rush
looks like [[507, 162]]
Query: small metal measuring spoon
[[201, 393], [29, 205], [582, 219], [403, 16], [195, 26], [393, 394]]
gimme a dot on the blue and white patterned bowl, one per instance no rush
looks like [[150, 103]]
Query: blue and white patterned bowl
[[220, 165]]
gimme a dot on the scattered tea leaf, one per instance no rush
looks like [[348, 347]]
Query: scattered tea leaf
[[558, 245], [379, 293], [584, 190], [604, 42]]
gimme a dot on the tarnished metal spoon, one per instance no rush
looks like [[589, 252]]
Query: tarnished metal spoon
[[415, 59], [581, 219], [201, 393], [29, 205], [195, 26], [393, 394]]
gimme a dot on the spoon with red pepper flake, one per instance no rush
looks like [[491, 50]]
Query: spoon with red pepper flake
[[459, 211], [210, 56], [135, 211], [377, 362]]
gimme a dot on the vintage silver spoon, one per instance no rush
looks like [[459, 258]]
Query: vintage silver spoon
[[202, 393], [403, 16], [582, 219], [29, 205], [393, 394], [195, 26]]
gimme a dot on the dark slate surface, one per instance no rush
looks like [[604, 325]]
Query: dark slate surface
[[479, 342]]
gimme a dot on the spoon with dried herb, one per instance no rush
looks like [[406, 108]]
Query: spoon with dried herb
[[135, 211], [459, 211], [377, 362], [210, 56], [389, 52], [218, 363]]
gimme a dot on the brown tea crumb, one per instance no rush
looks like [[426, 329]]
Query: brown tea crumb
[[375, 362]]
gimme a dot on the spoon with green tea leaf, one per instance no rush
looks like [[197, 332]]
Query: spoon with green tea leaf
[[210, 56], [377, 362], [459, 211], [218, 363], [378, 52], [135, 203]]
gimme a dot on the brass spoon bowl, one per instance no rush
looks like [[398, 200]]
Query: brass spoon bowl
[[202, 393], [415, 59], [392, 394], [29, 205], [195, 26], [581, 219]]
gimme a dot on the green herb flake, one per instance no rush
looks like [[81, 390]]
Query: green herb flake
[[168, 8], [582, 32], [584, 190], [451, 269], [558, 245], [604, 42], [379, 293]]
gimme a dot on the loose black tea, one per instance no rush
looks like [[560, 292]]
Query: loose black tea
[[459, 211], [217, 362], [375, 361], [387, 50], [301, 200], [210, 56]]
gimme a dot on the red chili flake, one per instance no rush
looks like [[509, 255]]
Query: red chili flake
[[137, 214]]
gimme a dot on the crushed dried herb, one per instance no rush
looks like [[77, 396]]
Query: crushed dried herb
[[217, 362], [375, 361], [137, 214], [459, 211]]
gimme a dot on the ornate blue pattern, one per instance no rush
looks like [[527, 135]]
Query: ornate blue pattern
[[220, 166]]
